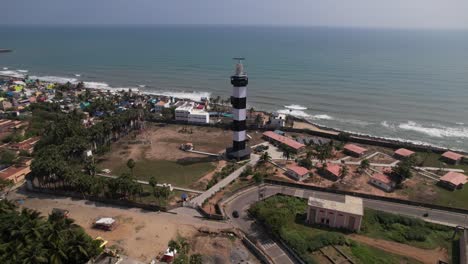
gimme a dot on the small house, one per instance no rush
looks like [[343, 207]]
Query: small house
[[354, 150], [297, 173], [403, 153], [451, 157], [382, 181], [453, 180], [332, 172]]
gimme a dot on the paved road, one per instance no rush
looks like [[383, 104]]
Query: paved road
[[198, 201], [160, 185], [242, 201]]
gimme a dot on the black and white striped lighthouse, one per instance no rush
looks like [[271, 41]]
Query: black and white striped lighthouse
[[239, 81]]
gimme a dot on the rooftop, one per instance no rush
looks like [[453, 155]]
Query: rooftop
[[284, 140], [299, 170], [351, 205], [382, 178], [455, 178], [355, 149], [452, 155], [404, 152]]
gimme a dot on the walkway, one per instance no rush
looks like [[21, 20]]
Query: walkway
[[198, 201], [160, 185], [204, 153]]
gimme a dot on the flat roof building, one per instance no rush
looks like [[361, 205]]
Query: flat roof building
[[347, 214]]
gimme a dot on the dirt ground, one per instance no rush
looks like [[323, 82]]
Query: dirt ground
[[140, 234], [423, 255]]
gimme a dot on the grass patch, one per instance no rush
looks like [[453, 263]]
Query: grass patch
[[175, 173], [429, 159], [455, 198], [406, 230], [284, 217]]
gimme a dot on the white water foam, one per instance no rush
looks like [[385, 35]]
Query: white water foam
[[323, 117], [435, 131], [296, 113], [141, 85], [77, 75], [5, 68], [54, 79], [97, 85], [11, 73], [296, 107], [460, 123], [23, 71]]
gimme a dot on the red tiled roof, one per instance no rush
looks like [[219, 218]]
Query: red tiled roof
[[382, 178], [404, 152], [284, 140], [334, 169], [10, 171], [452, 155], [455, 178], [387, 170], [355, 149], [299, 170]]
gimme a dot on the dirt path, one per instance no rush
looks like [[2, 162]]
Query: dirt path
[[423, 255]]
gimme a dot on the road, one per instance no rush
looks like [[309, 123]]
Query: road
[[198, 201], [242, 201]]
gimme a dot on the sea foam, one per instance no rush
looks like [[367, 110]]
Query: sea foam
[[436, 130], [323, 117], [296, 107], [54, 79], [296, 113]]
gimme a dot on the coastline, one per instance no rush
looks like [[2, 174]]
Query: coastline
[[197, 95]]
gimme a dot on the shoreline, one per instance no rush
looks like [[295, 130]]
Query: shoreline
[[193, 95]]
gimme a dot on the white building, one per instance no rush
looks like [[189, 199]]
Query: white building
[[187, 113], [277, 120]]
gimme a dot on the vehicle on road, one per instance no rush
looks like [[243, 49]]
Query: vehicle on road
[[105, 223], [235, 214]]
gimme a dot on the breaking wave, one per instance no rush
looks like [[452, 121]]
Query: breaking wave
[[296, 107], [195, 96], [323, 117], [77, 75], [435, 131], [54, 79], [5, 68], [23, 71], [96, 85], [296, 113]]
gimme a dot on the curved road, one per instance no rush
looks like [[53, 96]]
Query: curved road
[[242, 201]]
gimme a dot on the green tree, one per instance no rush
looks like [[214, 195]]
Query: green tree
[[153, 183], [196, 259], [7, 157], [131, 165], [258, 177], [344, 171], [265, 157], [364, 165]]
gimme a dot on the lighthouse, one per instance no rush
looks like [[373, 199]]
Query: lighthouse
[[239, 82]]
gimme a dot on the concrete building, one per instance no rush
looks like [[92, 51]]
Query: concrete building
[[187, 112], [297, 173], [347, 214], [383, 182], [354, 150], [331, 172], [16, 173], [403, 153], [239, 83], [277, 120], [451, 157], [453, 180]]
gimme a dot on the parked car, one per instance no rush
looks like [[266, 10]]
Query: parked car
[[235, 214]]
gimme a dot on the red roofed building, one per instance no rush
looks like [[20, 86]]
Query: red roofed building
[[16, 173], [382, 181], [27, 145], [298, 173], [452, 157], [453, 180], [332, 171], [403, 153], [354, 150], [283, 141]]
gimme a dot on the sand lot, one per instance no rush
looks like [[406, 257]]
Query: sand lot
[[140, 234]]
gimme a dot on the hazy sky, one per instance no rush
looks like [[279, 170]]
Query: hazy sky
[[348, 13]]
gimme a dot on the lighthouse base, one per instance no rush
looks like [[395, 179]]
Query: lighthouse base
[[242, 154]]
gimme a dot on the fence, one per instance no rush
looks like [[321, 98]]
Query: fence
[[367, 196], [125, 203]]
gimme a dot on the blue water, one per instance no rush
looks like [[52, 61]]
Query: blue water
[[405, 84]]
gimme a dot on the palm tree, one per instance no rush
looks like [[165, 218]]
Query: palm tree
[[265, 157], [344, 171], [153, 183], [364, 165], [131, 164]]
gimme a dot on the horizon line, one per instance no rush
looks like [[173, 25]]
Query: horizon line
[[236, 25]]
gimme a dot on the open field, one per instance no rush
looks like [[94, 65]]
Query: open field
[[142, 234], [285, 217], [430, 159]]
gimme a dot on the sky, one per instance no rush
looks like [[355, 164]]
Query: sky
[[437, 14]]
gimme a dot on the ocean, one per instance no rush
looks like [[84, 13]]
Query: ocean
[[400, 84]]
